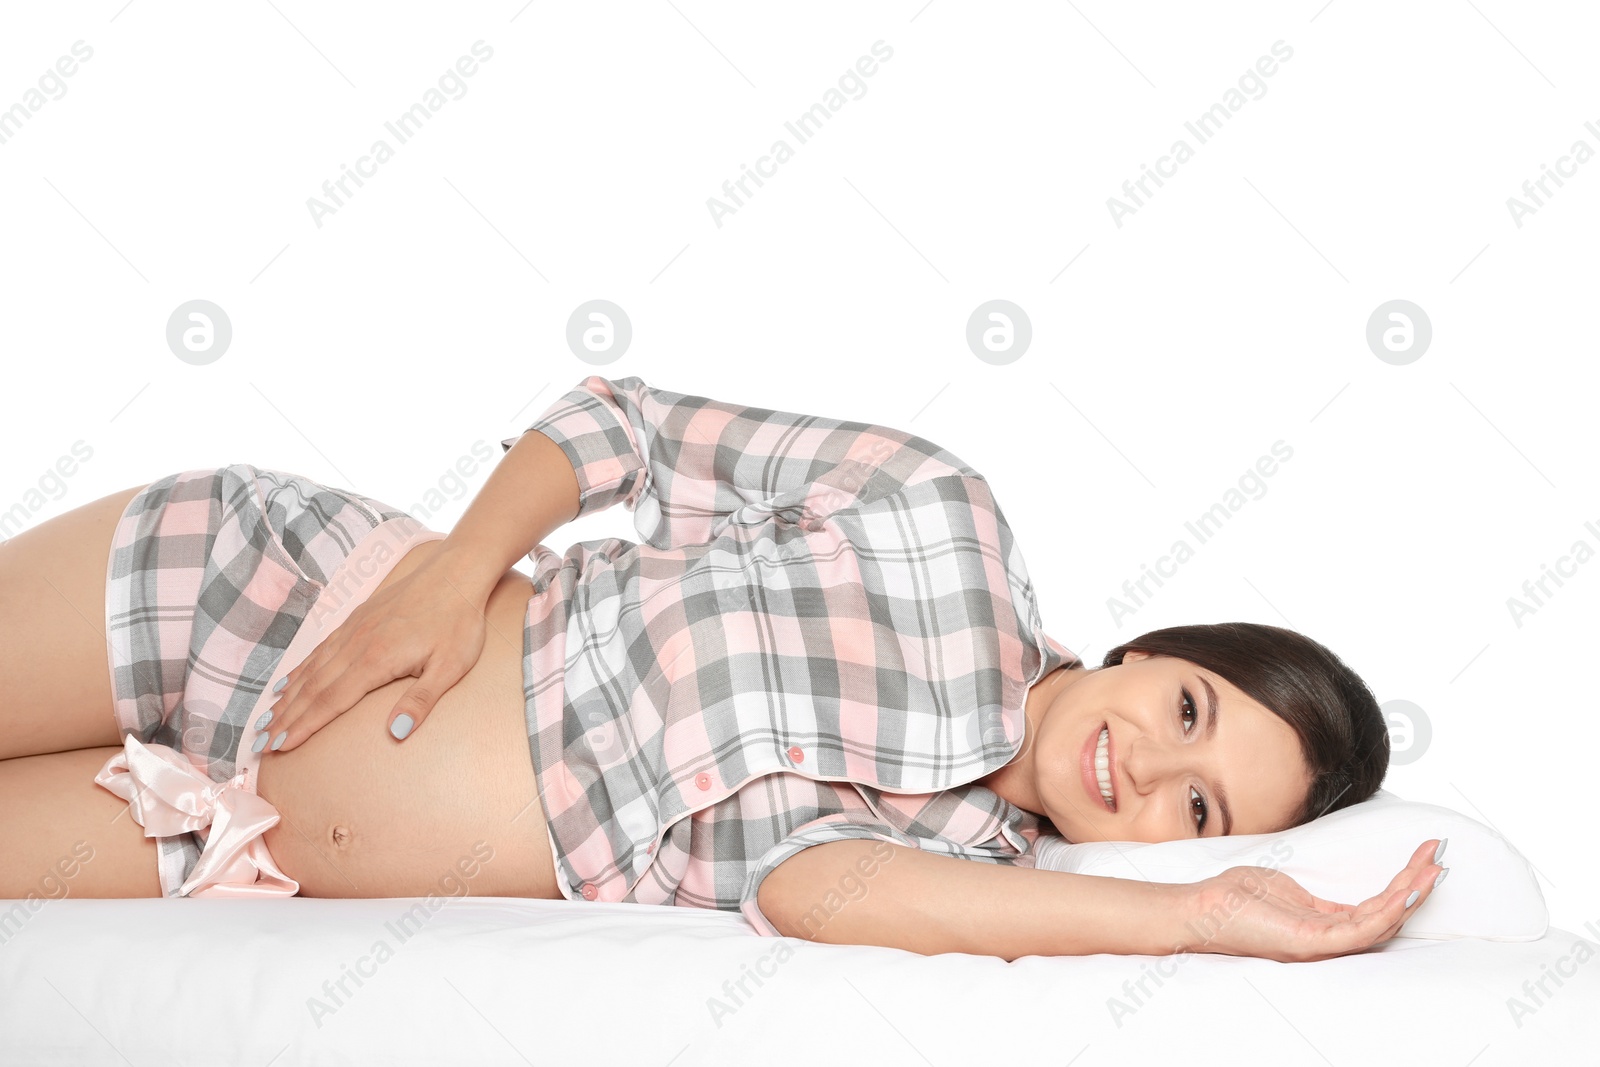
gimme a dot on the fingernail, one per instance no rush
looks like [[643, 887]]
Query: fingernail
[[1438, 853], [261, 724], [261, 743], [1412, 899], [1439, 879], [401, 726], [281, 683], [277, 742]]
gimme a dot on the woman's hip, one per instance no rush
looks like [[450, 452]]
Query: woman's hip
[[213, 575]]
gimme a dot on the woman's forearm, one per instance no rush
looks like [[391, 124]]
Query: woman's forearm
[[928, 903], [530, 493]]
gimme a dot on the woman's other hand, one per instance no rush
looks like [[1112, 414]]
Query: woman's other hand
[[1258, 911], [428, 625]]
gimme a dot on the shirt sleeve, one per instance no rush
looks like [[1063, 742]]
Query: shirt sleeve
[[686, 465], [855, 882]]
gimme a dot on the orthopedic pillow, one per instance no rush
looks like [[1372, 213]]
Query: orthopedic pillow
[[1347, 856]]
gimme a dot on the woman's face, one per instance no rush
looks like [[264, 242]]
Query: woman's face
[[1170, 764]]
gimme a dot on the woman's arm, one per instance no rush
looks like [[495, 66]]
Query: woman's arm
[[530, 493], [928, 903], [685, 464], [431, 624]]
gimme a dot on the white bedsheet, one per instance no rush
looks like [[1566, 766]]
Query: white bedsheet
[[491, 980]]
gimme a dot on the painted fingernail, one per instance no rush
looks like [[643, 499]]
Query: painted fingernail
[[1440, 878], [281, 683], [277, 742], [1412, 899], [401, 726], [1438, 853], [261, 723], [261, 743]]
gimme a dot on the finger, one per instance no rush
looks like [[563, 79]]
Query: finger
[[279, 703], [1363, 931], [1406, 879], [1411, 897], [1288, 889], [333, 654], [292, 687], [1407, 910], [416, 703], [1422, 857], [321, 705], [290, 701]]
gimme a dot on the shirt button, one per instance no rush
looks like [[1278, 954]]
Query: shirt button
[[703, 781], [796, 753], [590, 892]]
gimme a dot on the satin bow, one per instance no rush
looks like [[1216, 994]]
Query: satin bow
[[168, 795]]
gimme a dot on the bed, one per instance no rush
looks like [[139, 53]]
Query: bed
[[503, 980]]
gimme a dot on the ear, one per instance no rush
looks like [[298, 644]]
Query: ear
[[1134, 655]]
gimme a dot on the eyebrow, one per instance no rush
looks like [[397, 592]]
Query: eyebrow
[[1213, 713]]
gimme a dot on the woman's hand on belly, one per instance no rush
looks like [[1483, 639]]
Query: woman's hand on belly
[[363, 815], [420, 622]]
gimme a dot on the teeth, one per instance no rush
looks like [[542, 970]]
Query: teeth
[[1102, 766]]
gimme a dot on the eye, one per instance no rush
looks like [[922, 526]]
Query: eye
[[1193, 712], [1198, 804], [1189, 717]]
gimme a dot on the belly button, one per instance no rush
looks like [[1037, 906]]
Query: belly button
[[341, 836]]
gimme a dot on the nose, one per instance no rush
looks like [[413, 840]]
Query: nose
[[1149, 762]]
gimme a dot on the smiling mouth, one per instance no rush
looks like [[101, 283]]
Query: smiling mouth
[[1102, 768], [1098, 779]]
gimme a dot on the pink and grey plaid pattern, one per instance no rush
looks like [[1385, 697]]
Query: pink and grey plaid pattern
[[828, 633], [210, 574]]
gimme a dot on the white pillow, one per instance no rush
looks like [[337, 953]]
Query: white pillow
[[1348, 856]]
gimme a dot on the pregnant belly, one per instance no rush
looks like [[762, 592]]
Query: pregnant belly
[[451, 810]]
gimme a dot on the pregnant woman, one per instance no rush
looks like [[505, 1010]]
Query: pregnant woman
[[816, 693]]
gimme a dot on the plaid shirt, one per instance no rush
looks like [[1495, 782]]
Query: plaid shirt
[[827, 634]]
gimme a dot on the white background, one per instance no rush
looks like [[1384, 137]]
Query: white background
[[429, 312]]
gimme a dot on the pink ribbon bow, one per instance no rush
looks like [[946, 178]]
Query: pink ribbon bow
[[168, 795]]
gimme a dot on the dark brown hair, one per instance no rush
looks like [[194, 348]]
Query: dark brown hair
[[1342, 732]]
